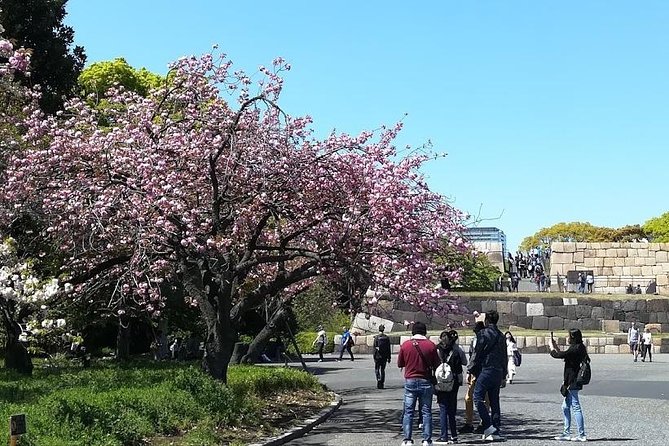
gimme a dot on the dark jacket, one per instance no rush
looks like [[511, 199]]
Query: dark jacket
[[382, 348], [455, 361], [489, 351], [573, 357]]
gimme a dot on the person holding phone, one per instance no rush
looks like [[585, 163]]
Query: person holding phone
[[571, 405]]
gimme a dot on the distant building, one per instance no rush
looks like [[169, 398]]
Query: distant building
[[491, 242]]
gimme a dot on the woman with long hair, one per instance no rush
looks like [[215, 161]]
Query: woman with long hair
[[511, 347], [448, 401], [573, 357]]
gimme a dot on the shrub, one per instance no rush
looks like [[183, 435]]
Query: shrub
[[306, 338]]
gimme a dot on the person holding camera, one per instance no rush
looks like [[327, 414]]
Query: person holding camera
[[573, 357]]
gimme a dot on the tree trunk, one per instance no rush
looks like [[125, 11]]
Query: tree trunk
[[123, 340], [260, 341], [17, 357], [218, 347]]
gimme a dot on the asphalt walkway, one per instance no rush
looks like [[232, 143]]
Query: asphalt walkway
[[626, 403]]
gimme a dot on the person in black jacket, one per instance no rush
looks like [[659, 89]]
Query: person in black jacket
[[448, 401], [489, 365], [381, 356], [573, 357]]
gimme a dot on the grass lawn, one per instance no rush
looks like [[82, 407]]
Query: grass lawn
[[149, 403]]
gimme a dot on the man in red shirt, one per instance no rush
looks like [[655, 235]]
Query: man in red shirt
[[418, 356]]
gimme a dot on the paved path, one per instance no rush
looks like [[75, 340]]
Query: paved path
[[627, 403]]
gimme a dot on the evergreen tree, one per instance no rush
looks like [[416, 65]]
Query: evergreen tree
[[55, 63]]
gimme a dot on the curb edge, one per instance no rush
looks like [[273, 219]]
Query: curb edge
[[305, 425]]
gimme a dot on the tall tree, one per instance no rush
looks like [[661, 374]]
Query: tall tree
[[101, 76], [56, 64], [658, 228], [239, 204]]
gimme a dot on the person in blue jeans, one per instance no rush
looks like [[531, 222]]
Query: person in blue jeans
[[489, 364], [571, 405], [418, 356]]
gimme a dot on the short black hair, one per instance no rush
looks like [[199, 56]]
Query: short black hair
[[419, 328], [575, 336], [492, 316]]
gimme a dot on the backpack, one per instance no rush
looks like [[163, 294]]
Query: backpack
[[584, 373], [445, 376], [351, 341], [382, 344], [517, 358]]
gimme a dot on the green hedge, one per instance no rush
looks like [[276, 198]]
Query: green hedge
[[306, 338], [123, 406]]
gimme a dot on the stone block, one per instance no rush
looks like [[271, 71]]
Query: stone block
[[590, 324], [571, 312], [609, 261], [590, 252], [629, 261], [613, 349], [617, 270], [535, 309], [541, 341], [597, 313], [610, 326], [555, 323], [654, 246], [662, 279], [488, 305], [662, 256], [583, 311], [654, 328], [595, 245], [594, 342], [569, 301], [643, 252], [635, 270], [639, 261], [611, 252], [621, 252], [629, 305], [572, 324], [608, 313], [589, 262], [395, 348], [530, 341], [569, 247], [607, 271], [662, 318], [646, 270], [581, 245], [578, 257], [434, 339], [599, 261], [539, 323], [658, 269], [504, 307], [650, 261], [404, 338], [519, 309], [524, 321], [562, 258], [623, 349], [557, 247], [520, 342], [550, 311]]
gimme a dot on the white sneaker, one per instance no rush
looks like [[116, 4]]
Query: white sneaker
[[488, 432], [407, 443], [426, 443], [579, 438], [494, 437], [563, 437]]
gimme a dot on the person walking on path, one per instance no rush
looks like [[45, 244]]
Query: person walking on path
[[573, 357], [633, 340], [647, 345], [381, 356], [320, 341], [448, 400], [469, 396], [418, 356], [346, 344], [511, 347], [590, 281], [489, 364]]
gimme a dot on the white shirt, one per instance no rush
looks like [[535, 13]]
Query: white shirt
[[647, 338]]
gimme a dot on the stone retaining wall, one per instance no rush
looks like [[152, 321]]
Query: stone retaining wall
[[615, 265], [527, 344], [535, 311]]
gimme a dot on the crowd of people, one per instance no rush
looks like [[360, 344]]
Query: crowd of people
[[493, 358]]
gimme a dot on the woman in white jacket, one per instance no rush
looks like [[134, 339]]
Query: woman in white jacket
[[510, 348]]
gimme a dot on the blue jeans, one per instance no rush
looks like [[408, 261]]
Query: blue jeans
[[488, 381], [421, 390], [569, 405]]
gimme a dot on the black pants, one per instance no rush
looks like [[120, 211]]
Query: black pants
[[448, 406], [321, 346], [380, 370], [646, 349], [348, 349]]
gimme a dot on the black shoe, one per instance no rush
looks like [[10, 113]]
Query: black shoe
[[467, 429], [479, 429]]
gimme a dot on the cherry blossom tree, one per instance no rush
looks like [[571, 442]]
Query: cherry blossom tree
[[238, 203]]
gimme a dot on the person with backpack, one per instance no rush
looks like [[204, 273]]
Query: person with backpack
[[418, 356], [321, 340], [511, 352], [489, 364], [576, 374], [381, 356], [346, 343], [449, 379]]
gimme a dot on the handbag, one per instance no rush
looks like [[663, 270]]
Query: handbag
[[564, 390], [430, 370]]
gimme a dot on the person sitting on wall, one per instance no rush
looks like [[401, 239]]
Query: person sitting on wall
[[637, 290], [629, 289]]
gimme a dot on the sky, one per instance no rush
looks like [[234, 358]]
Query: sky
[[548, 111]]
